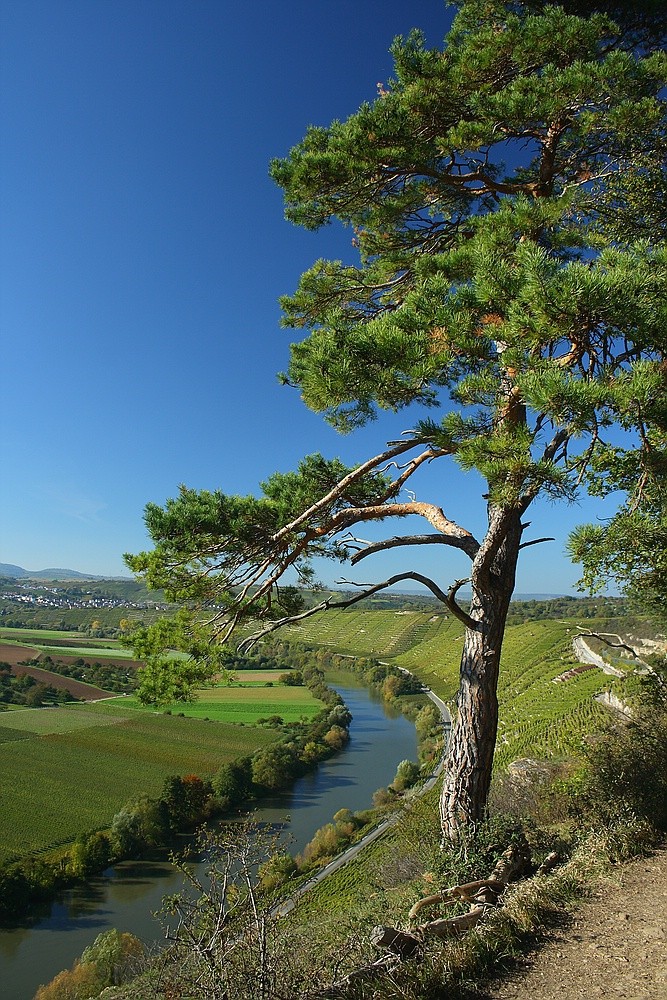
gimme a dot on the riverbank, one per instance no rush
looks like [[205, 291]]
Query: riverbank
[[126, 897]]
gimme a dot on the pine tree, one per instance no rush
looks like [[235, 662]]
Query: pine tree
[[507, 199]]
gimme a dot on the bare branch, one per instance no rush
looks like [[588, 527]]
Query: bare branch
[[459, 536], [456, 608], [390, 543], [602, 636], [536, 541]]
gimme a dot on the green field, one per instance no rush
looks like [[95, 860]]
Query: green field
[[367, 633], [91, 652], [77, 766], [63, 719], [65, 643], [25, 636], [85, 761], [246, 700]]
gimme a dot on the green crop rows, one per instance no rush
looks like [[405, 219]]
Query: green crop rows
[[63, 719], [57, 785], [365, 633]]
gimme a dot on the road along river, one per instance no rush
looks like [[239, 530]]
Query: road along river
[[127, 896]]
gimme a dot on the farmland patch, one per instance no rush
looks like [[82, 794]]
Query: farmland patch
[[63, 719], [242, 703], [80, 778], [8, 735], [79, 689], [13, 654]]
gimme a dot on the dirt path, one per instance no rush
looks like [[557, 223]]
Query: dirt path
[[615, 946]]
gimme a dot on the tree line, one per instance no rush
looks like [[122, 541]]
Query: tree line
[[25, 690]]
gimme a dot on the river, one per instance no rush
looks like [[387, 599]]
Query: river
[[127, 896]]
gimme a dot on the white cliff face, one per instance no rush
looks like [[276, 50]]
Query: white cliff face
[[585, 654], [614, 702]]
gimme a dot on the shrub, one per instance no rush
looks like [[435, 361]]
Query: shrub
[[78, 983], [277, 870], [336, 737], [626, 774], [407, 773]]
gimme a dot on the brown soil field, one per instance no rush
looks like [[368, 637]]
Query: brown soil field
[[14, 654], [76, 688], [9, 653]]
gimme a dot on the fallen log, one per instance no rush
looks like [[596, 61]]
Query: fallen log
[[482, 894]]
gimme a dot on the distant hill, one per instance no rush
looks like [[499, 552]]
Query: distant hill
[[19, 573]]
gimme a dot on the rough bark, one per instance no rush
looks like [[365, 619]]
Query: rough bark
[[472, 743]]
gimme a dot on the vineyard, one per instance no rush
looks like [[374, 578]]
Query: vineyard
[[68, 770], [538, 718]]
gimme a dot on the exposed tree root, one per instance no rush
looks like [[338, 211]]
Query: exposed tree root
[[400, 945]]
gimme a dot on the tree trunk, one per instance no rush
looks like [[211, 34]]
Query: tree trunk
[[473, 740]]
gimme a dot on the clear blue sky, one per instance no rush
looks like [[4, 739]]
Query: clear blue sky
[[143, 252]]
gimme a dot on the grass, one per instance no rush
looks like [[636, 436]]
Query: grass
[[19, 634], [8, 734], [93, 652], [62, 719]]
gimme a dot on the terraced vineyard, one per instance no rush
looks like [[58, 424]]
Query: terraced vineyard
[[366, 633], [537, 716]]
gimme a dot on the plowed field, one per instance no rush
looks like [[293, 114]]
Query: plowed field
[[15, 654]]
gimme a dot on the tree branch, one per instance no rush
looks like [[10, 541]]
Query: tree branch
[[535, 541], [602, 636], [455, 608], [390, 543], [348, 602], [458, 536], [337, 491]]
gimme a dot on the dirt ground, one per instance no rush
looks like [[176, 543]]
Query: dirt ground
[[15, 655], [615, 946]]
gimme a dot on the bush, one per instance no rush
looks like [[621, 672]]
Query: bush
[[626, 774], [78, 983], [407, 773], [234, 781], [110, 960], [277, 870], [326, 843]]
